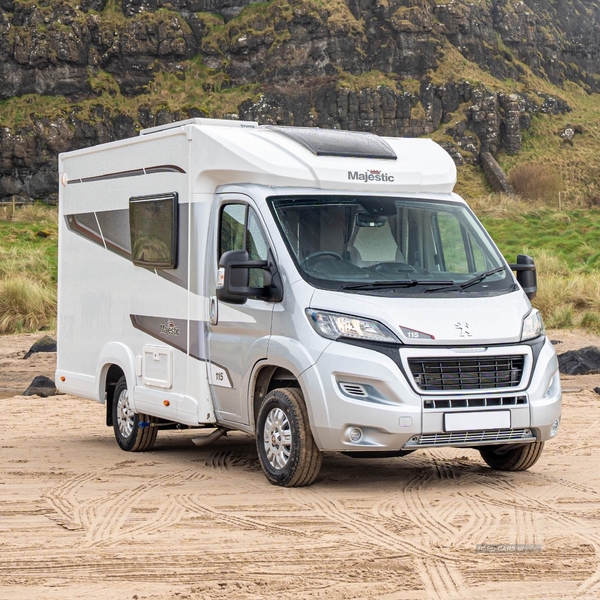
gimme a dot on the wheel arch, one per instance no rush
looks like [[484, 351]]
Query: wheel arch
[[267, 378], [116, 360]]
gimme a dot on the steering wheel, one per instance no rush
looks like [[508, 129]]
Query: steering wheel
[[315, 257]]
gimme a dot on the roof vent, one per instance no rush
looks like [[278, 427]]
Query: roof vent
[[333, 142]]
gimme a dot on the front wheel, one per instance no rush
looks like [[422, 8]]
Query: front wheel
[[134, 432], [514, 459], [286, 448]]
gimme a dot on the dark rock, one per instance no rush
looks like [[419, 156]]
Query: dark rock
[[580, 362], [41, 386], [597, 390], [453, 151], [495, 175], [45, 344]]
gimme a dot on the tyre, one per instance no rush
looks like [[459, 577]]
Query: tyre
[[519, 458], [134, 432], [286, 448]]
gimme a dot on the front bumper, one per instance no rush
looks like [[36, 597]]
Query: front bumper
[[353, 388]]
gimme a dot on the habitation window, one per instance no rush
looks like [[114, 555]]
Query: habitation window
[[153, 229]]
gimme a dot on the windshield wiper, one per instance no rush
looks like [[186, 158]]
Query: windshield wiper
[[466, 284], [376, 285]]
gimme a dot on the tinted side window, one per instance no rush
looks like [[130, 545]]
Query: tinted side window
[[257, 247], [233, 225], [241, 230], [153, 230]]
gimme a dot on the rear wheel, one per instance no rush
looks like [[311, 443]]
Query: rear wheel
[[519, 458], [286, 448], [134, 432]]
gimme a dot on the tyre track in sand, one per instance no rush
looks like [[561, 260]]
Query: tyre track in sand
[[572, 523], [481, 521], [441, 581], [420, 514], [61, 499], [375, 534], [193, 505], [110, 516], [103, 518]]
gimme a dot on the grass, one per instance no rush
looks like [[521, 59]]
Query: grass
[[565, 247], [28, 268], [571, 236]]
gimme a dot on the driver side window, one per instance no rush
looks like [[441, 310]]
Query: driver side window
[[240, 229]]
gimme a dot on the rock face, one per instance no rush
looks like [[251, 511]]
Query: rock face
[[351, 64]]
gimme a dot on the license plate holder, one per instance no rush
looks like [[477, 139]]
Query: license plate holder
[[477, 420]]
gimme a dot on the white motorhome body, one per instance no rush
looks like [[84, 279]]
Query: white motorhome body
[[322, 290]]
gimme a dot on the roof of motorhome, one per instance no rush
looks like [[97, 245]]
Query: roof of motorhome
[[229, 152]]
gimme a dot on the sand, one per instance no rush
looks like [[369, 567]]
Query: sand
[[79, 518]]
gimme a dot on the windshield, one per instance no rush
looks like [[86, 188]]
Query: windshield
[[390, 245]]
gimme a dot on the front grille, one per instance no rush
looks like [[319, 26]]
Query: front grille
[[476, 402], [470, 437], [467, 373]]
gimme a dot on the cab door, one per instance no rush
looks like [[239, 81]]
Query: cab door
[[238, 334]]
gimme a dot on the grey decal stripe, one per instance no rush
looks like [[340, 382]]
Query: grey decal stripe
[[173, 332], [114, 232], [114, 227], [84, 226], [132, 173]]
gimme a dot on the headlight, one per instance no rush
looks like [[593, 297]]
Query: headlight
[[335, 325], [532, 325]]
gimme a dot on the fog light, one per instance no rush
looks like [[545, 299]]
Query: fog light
[[355, 434], [555, 425]]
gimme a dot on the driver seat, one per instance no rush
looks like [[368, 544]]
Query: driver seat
[[353, 255]]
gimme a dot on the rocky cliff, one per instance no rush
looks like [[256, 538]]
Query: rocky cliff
[[79, 72]]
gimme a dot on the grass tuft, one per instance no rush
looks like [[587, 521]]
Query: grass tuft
[[535, 181], [26, 305], [27, 268]]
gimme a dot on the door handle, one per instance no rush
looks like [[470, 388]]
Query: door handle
[[213, 310]]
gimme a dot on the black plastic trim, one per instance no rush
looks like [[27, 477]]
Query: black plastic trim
[[392, 351]]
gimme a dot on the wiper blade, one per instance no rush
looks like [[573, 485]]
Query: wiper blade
[[467, 284], [375, 285]]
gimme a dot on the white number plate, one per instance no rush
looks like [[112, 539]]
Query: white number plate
[[475, 421]]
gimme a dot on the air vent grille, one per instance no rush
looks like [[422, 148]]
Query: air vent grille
[[467, 373], [353, 389], [471, 437], [475, 402]]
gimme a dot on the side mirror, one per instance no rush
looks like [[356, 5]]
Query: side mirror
[[526, 274], [234, 274]]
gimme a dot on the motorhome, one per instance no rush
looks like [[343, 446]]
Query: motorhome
[[320, 290]]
